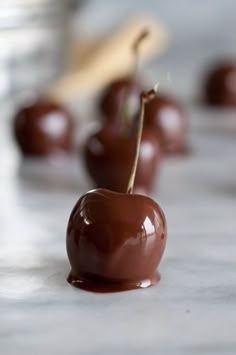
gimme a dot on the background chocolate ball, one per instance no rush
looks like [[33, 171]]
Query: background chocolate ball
[[109, 159], [121, 92], [220, 86], [167, 118], [43, 128]]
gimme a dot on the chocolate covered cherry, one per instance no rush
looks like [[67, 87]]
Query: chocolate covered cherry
[[220, 86], [167, 119], [43, 128], [109, 159], [121, 95], [115, 241], [109, 152]]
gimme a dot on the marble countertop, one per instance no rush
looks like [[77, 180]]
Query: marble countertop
[[191, 311]]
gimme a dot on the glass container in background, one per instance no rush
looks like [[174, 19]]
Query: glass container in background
[[33, 38]]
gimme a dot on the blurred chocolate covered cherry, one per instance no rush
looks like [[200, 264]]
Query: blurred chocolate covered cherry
[[43, 128], [220, 85], [120, 97], [109, 157], [167, 119]]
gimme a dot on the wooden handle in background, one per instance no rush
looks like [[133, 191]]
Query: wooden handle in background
[[111, 59]]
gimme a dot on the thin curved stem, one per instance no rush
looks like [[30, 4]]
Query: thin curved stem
[[128, 92], [144, 98], [130, 186]]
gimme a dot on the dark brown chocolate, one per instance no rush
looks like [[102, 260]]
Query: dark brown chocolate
[[43, 128], [166, 117], [220, 86], [115, 241], [120, 97], [109, 160]]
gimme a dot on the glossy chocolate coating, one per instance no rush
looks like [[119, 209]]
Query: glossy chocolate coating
[[166, 117], [121, 92], [109, 159], [115, 241], [43, 128], [220, 87]]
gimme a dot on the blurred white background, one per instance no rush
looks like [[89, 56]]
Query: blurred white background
[[200, 32]]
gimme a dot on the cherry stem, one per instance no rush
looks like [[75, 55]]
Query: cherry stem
[[145, 97], [136, 50], [136, 53]]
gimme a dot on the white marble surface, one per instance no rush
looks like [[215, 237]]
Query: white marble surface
[[191, 311]]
